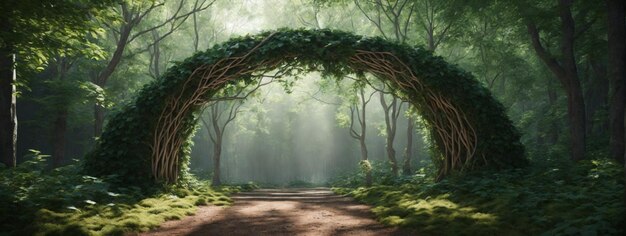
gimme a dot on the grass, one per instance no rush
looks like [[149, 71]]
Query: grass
[[549, 198], [117, 219]]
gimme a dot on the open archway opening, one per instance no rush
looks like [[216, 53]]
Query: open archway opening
[[149, 139]]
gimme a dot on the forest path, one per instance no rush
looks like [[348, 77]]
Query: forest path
[[310, 211]]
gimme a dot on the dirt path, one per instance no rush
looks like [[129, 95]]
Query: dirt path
[[282, 212]]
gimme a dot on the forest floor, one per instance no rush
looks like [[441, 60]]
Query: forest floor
[[310, 211]]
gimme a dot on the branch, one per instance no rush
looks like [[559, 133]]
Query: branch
[[543, 54], [376, 23], [208, 129], [173, 19]]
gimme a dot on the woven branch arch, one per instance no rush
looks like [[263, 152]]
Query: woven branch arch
[[149, 139]]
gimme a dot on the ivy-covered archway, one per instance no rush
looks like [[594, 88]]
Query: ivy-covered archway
[[150, 138]]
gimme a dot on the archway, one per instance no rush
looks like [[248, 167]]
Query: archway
[[149, 139]]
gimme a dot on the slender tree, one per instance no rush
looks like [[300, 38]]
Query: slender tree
[[218, 114], [392, 112], [394, 16], [359, 131], [617, 74]]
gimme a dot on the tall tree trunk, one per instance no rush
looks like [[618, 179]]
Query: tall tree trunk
[[217, 154], [104, 75], [596, 98], [98, 114], [617, 74], [567, 73], [58, 141], [391, 121], [8, 116], [575, 100], [408, 152], [8, 113], [368, 174], [59, 130], [553, 130], [576, 110]]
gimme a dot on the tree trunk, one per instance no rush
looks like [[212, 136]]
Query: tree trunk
[[576, 111], [98, 120], [553, 131], [575, 100], [390, 125], [391, 154], [217, 153], [104, 75], [617, 74], [408, 152], [368, 174], [567, 73], [8, 115], [8, 118], [596, 98], [58, 141]]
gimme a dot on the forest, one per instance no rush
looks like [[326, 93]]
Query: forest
[[312, 117]]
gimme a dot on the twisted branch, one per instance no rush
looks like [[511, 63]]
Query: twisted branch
[[457, 136]]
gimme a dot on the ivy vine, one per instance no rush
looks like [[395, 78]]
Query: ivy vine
[[149, 140]]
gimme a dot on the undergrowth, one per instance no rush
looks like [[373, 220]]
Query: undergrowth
[[37, 201], [549, 198]]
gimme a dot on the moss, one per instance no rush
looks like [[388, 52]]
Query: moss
[[120, 219], [583, 200]]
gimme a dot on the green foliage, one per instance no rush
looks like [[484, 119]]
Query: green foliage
[[64, 202], [38, 30], [124, 147], [382, 175], [553, 197]]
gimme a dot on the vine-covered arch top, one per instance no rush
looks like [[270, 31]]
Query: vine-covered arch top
[[149, 139]]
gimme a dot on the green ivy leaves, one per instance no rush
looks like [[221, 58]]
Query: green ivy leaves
[[124, 147]]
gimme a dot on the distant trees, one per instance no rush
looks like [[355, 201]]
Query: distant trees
[[357, 101], [132, 14], [397, 17], [30, 32], [221, 113]]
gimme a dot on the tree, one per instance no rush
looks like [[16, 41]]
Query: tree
[[399, 15], [392, 112], [221, 113], [216, 131], [62, 66], [132, 14], [358, 105], [617, 74], [565, 69], [31, 31]]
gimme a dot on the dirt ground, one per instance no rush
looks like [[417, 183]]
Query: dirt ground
[[314, 211]]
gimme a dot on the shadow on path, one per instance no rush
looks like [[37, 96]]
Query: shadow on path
[[312, 211]]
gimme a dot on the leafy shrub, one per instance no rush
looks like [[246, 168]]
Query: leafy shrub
[[62, 201]]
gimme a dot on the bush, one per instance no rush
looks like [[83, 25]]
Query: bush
[[62, 201], [552, 197]]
